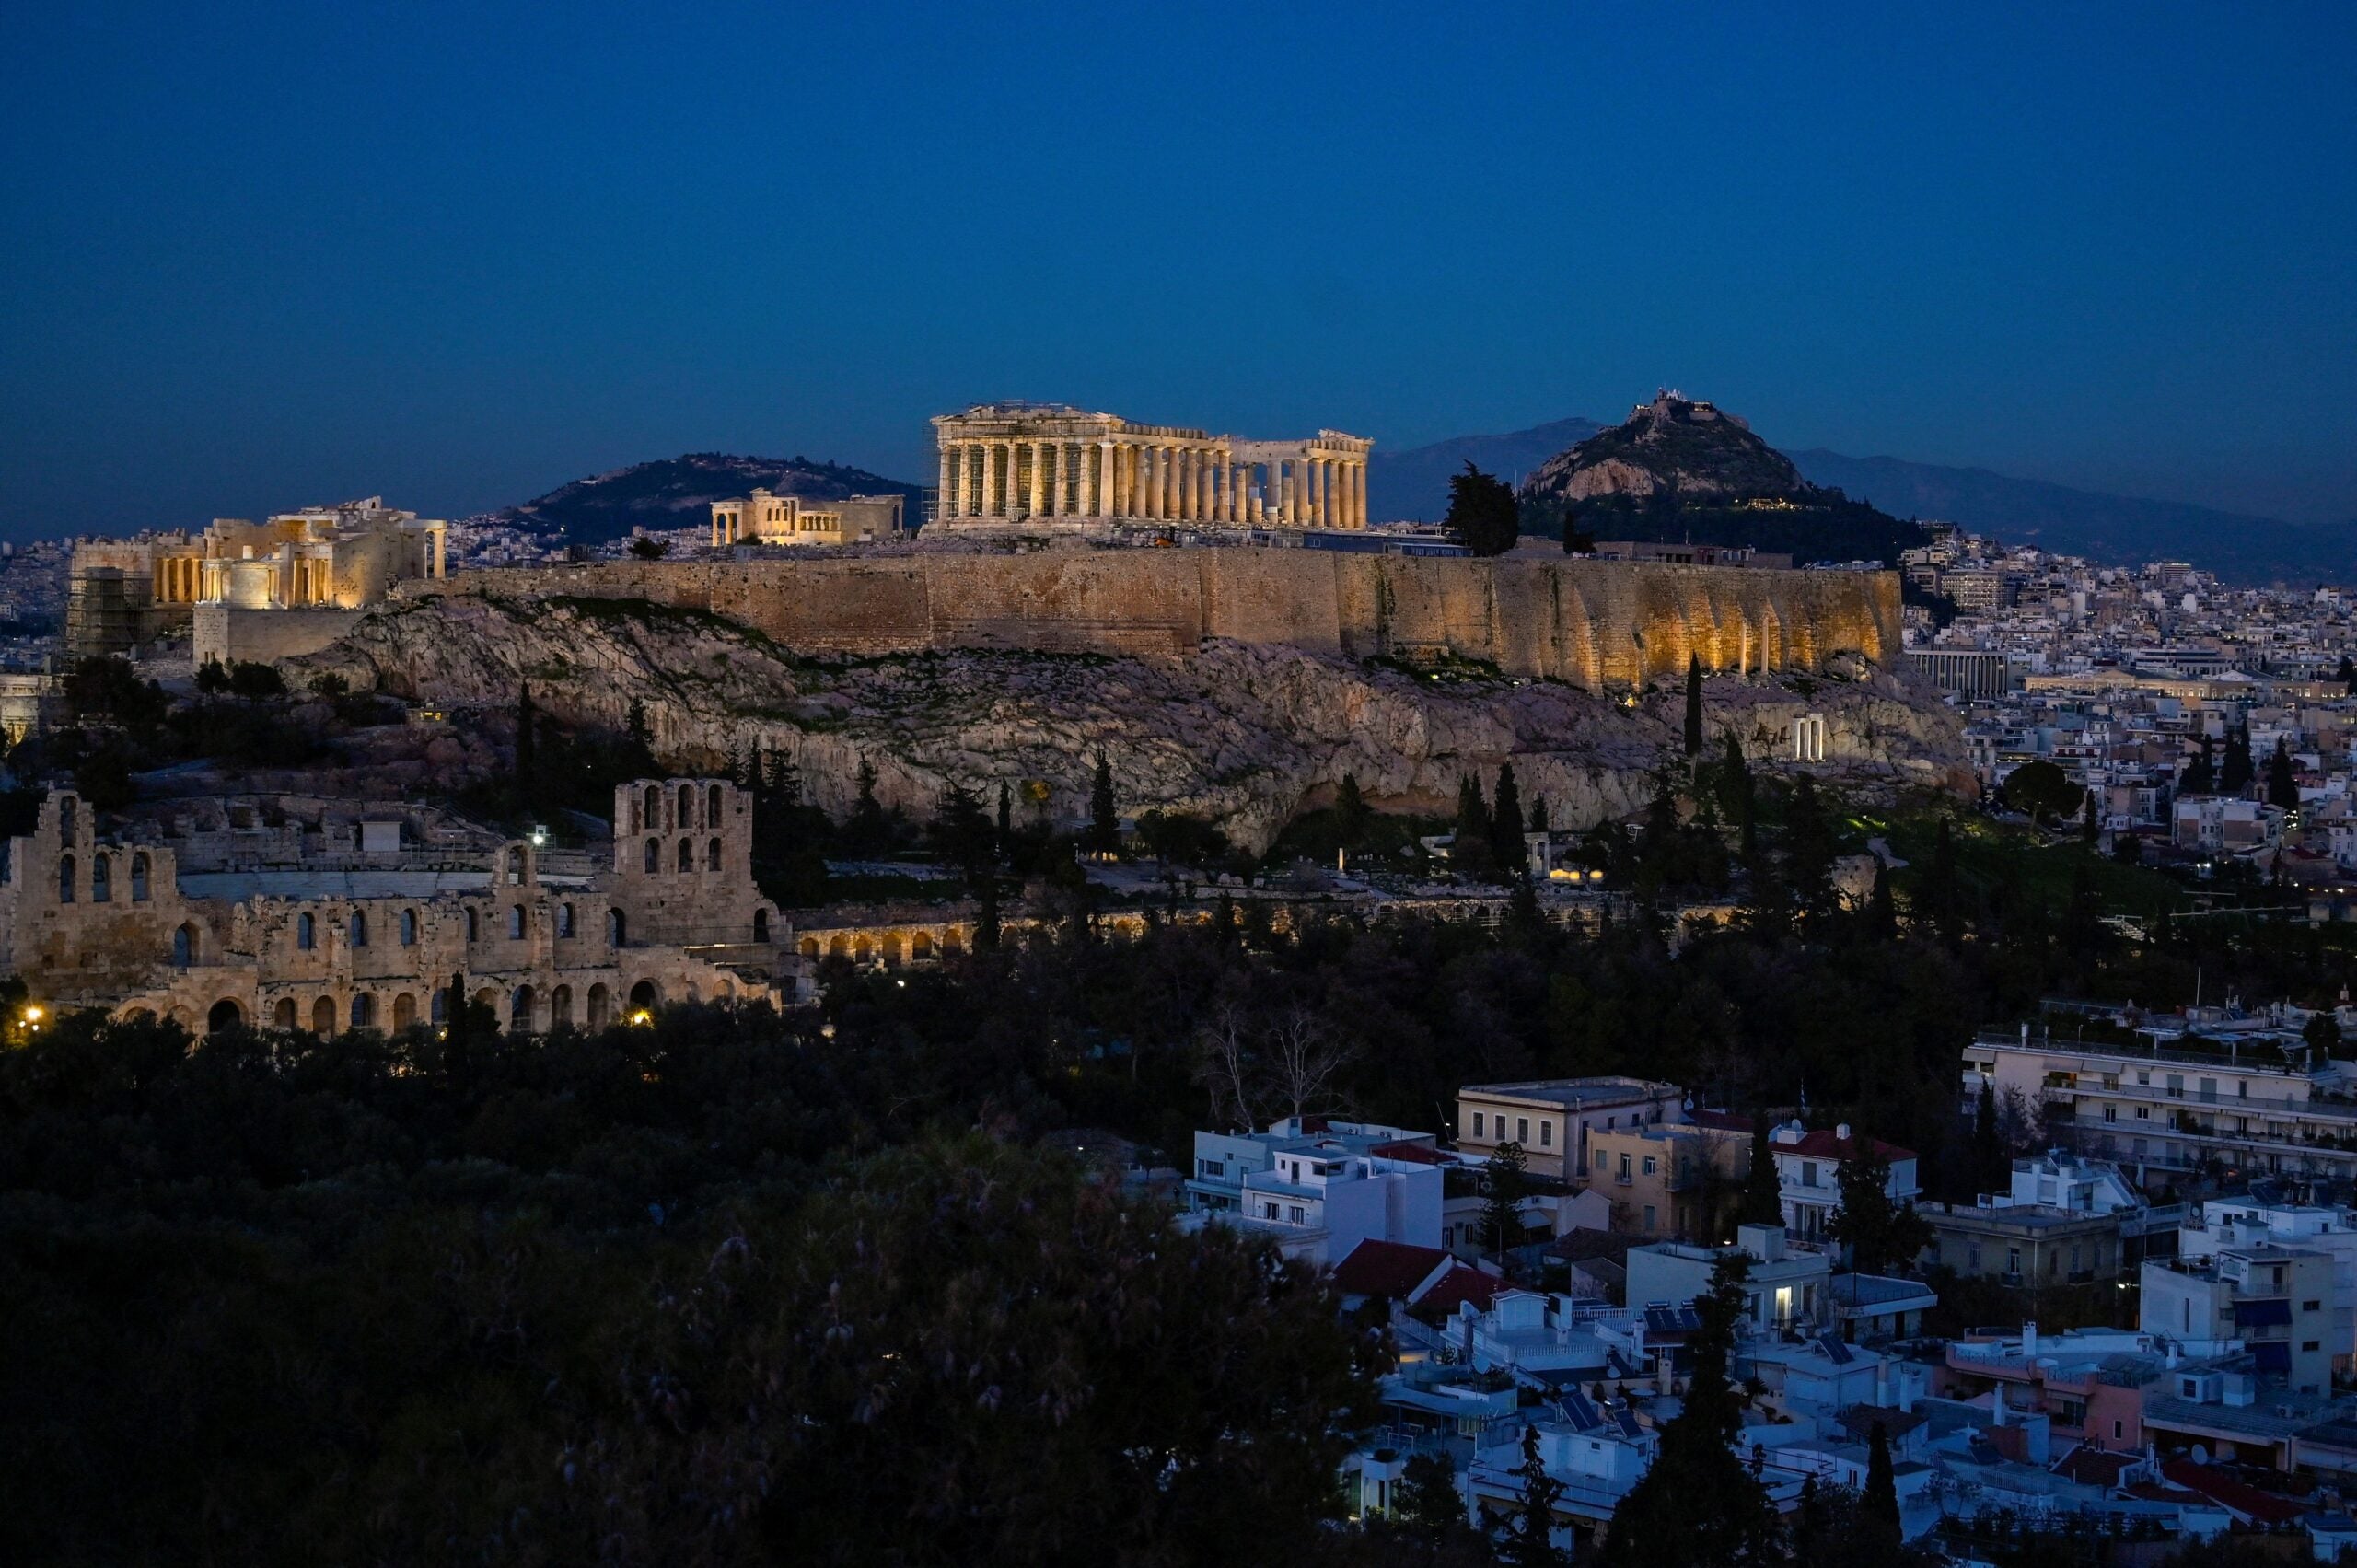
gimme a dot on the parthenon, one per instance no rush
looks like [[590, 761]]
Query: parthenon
[[1048, 463]]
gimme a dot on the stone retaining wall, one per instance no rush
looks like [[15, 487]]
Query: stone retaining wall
[[1592, 623]]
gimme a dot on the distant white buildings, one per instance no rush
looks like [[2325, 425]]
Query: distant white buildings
[[1320, 1186]]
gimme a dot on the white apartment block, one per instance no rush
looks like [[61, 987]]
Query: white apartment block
[[2249, 1101], [1320, 1187]]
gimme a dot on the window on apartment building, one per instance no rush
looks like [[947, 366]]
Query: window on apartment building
[[2111, 1113], [2311, 1344], [2119, 1432], [2013, 1259], [1268, 1211], [1649, 1164], [1808, 1173], [1296, 1214], [1546, 1134], [1476, 1124], [1522, 1129], [2144, 1113], [2312, 1307], [1624, 1168], [1213, 1167]]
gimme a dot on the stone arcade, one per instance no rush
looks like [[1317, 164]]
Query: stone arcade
[[239, 919], [1045, 464]]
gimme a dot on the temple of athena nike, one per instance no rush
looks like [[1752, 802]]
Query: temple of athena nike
[[1048, 464]]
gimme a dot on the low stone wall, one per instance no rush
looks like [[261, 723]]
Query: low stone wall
[[1592, 623], [265, 636]]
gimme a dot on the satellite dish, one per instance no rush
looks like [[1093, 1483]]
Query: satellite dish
[[2200, 1454]]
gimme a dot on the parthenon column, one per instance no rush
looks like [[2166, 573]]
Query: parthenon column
[[1289, 489], [1039, 477], [1182, 471], [941, 505], [1191, 503]]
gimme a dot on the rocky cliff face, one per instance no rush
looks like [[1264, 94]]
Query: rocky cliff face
[[1249, 735]]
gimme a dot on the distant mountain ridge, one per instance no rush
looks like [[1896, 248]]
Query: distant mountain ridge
[[675, 493], [1412, 485]]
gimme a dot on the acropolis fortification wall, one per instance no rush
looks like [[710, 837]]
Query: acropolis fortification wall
[[1592, 623]]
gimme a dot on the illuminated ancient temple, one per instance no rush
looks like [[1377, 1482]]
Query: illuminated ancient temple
[[1050, 463]]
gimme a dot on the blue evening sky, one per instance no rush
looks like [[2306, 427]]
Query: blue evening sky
[[260, 256]]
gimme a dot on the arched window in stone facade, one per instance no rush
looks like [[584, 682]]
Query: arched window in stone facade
[[687, 854], [654, 808], [183, 946], [760, 925], [363, 1010], [439, 1011], [405, 1010], [409, 928], [614, 928], [306, 931], [283, 1015], [323, 1016], [473, 927], [687, 807], [598, 1006], [358, 928], [64, 878], [564, 919], [654, 855], [515, 867], [520, 1009], [711, 856], [711, 807], [139, 879], [515, 923], [102, 879], [561, 1007]]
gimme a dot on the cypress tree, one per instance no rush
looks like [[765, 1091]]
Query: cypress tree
[[1501, 1216], [2282, 783], [1469, 850], [2235, 776], [2090, 819], [1693, 705], [1350, 812], [1506, 823], [527, 759], [2348, 675], [1104, 821], [1763, 1193], [1700, 1505], [1882, 914], [2201, 775], [1006, 816], [1880, 1531], [1530, 1538], [1539, 815]]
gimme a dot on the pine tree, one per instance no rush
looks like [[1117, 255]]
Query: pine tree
[[2090, 818], [1482, 515], [1693, 705], [1736, 797], [1506, 823], [2282, 783], [1763, 1192], [1526, 922], [527, 761], [1808, 851], [1104, 821], [1530, 1538]]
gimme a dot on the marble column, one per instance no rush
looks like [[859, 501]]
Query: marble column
[[1179, 468], [941, 507], [1038, 498]]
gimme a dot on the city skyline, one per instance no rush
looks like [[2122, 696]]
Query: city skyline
[[481, 256]]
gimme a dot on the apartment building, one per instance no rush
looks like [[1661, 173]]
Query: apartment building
[[1669, 1181], [1786, 1289], [1320, 1187], [1808, 1169], [1552, 1120], [2065, 1220], [2246, 1100], [2227, 1224], [2277, 1300]]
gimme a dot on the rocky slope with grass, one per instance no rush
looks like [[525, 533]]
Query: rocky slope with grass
[[1246, 736]]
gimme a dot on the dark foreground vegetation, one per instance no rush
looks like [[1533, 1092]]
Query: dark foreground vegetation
[[738, 1287]]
